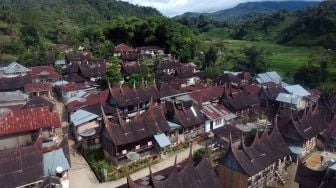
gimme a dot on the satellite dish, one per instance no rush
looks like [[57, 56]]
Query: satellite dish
[[133, 156]]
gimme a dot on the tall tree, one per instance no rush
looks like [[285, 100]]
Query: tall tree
[[112, 74]]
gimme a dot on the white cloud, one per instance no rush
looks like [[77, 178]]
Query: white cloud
[[176, 7]]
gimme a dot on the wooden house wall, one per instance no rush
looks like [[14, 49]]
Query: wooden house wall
[[230, 178]]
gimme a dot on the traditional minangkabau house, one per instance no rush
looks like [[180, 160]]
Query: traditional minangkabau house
[[168, 66], [23, 125], [77, 58], [307, 131], [167, 92], [184, 175], [223, 134], [239, 102], [187, 72], [44, 74], [123, 49], [139, 134], [255, 165], [268, 94], [327, 106], [85, 71], [130, 100], [188, 116], [129, 68]]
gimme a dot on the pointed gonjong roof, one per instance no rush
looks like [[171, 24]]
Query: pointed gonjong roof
[[125, 96], [263, 152], [309, 125], [190, 175], [143, 126]]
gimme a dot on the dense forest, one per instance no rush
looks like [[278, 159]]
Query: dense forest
[[313, 26], [29, 28]]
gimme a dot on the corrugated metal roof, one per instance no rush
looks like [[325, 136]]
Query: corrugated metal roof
[[274, 76], [264, 78], [162, 140], [268, 77], [54, 159], [173, 125], [81, 116], [216, 111], [288, 98], [297, 90], [13, 96], [14, 67]]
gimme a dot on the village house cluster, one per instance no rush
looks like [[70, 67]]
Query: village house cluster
[[182, 105]]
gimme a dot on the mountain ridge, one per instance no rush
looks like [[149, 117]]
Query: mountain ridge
[[249, 10]]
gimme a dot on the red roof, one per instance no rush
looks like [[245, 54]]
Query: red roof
[[44, 72], [123, 48], [73, 86], [215, 111], [31, 119], [37, 87], [90, 99], [252, 89], [207, 94]]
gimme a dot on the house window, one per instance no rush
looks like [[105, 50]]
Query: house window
[[218, 122]]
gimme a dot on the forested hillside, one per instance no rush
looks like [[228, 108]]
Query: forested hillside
[[248, 11], [29, 28], [314, 26]]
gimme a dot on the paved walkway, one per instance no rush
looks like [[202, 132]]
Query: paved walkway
[[80, 174]]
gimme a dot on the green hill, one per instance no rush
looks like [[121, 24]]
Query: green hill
[[25, 23], [250, 10], [314, 26]]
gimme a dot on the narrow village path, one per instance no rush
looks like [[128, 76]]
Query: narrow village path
[[167, 162], [81, 176]]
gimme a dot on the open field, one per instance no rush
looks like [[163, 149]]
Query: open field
[[284, 59]]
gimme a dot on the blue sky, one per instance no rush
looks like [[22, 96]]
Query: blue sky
[[176, 7]]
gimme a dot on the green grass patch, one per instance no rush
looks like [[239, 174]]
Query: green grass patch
[[283, 59], [221, 33]]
